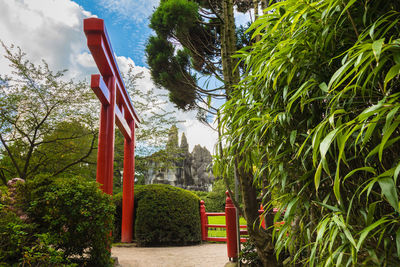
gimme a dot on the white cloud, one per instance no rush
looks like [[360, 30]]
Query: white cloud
[[137, 10], [52, 30], [243, 18]]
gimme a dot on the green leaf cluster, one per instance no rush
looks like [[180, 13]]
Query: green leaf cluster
[[74, 215], [316, 116]]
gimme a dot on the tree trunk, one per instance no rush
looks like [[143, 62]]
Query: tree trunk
[[262, 238], [228, 47], [264, 5]]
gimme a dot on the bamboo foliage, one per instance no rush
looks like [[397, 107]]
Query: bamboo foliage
[[317, 115]]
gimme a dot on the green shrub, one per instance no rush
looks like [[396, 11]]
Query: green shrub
[[117, 199], [215, 200], [166, 215], [75, 213], [116, 233], [41, 253], [14, 236]]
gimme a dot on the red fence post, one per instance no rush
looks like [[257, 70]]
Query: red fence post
[[203, 220], [262, 216], [231, 228]]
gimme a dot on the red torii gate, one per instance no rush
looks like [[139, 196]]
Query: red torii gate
[[115, 104]]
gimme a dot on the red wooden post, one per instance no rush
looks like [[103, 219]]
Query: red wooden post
[[116, 108], [262, 216], [128, 188], [105, 154], [231, 228], [203, 220]]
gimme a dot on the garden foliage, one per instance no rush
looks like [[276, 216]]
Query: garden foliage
[[317, 116], [166, 215], [66, 220]]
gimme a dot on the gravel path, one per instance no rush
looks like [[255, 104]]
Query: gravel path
[[204, 255]]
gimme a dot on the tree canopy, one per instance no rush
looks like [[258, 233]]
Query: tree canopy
[[194, 41], [43, 119]]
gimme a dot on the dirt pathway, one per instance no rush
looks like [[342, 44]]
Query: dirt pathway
[[204, 255]]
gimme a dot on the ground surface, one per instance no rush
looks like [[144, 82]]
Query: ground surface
[[204, 255]]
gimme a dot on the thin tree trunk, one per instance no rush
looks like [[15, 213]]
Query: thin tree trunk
[[262, 238], [228, 47], [264, 5]]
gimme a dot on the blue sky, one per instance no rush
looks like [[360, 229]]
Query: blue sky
[[52, 30], [127, 24]]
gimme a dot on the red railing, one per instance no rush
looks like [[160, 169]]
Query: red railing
[[230, 226]]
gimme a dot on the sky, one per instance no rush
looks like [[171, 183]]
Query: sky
[[52, 30]]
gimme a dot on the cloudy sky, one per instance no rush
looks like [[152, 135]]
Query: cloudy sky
[[52, 30]]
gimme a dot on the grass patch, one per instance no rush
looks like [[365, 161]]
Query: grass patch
[[220, 232]]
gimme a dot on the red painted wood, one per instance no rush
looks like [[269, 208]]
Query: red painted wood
[[100, 89], [122, 123], [128, 187], [117, 109], [100, 47], [215, 214], [231, 228], [105, 154], [215, 225], [216, 239], [203, 221]]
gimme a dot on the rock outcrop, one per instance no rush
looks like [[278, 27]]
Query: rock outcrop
[[192, 171]]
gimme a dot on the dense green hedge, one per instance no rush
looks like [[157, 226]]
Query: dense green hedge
[[166, 215]]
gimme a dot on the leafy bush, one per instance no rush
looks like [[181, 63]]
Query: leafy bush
[[13, 235], [166, 215], [215, 200], [41, 253], [75, 214]]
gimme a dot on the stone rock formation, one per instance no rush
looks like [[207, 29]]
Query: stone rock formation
[[192, 171]]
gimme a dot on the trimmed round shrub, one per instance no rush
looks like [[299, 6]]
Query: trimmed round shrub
[[166, 215]]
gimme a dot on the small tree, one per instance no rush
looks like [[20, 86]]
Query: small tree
[[37, 111]]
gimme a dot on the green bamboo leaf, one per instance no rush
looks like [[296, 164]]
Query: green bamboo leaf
[[396, 173], [325, 144], [289, 208], [321, 230], [293, 137], [389, 191], [338, 73], [364, 233], [398, 242], [332, 208], [369, 111], [367, 169], [317, 176], [376, 149], [324, 87], [339, 221], [371, 212], [394, 71], [336, 186], [377, 48], [387, 135]]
